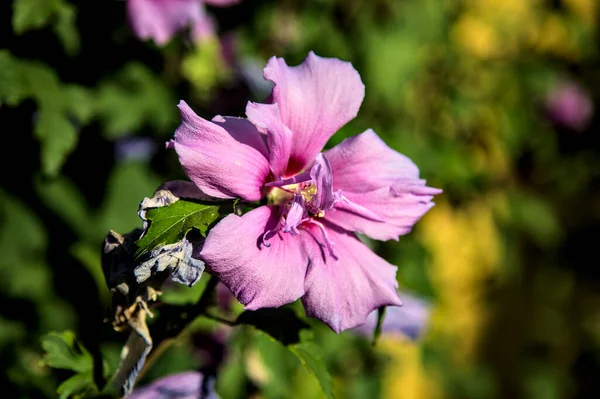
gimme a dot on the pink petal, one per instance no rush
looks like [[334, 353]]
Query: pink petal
[[225, 158], [279, 137], [258, 276], [342, 293], [364, 162], [315, 99], [186, 385], [161, 19], [384, 194], [398, 206]]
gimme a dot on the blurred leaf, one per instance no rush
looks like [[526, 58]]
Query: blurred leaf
[[32, 14], [284, 326], [89, 256], [58, 138], [136, 96], [311, 358], [170, 224], [66, 28], [76, 386], [12, 87], [22, 244], [63, 198], [280, 323], [64, 352], [536, 217], [204, 67], [128, 184]]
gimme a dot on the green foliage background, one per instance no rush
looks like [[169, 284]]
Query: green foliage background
[[507, 257]]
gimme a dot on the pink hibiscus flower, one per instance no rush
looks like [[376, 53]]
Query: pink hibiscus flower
[[159, 20], [301, 244]]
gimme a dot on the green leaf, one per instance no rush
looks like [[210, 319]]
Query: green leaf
[[64, 352], [76, 386], [170, 224], [12, 87], [135, 97], [128, 183], [284, 326], [32, 14], [66, 28], [311, 358], [280, 323], [58, 139]]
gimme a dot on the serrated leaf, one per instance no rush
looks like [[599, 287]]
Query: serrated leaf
[[58, 139], [64, 352], [170, 224]]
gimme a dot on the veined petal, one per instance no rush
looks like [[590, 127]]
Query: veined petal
[[364, 162], [279, 137], [399, 206], [224, 158], [384, 194], [315, 99], [343, 292], [258, 276], [160, 20]]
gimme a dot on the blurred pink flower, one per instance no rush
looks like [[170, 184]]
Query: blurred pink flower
[[409, 320], [188, 385], [302, 243], [569, 105], [160, 20]]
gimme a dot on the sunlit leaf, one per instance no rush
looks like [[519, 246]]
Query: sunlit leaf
[[170, 224]]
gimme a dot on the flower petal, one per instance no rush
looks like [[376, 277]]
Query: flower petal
[[384, 195], [160, 20], [342, 293], [364, 162], [279, 136], [323, 178], [399, 207], [224, 158], [259, 276], [315, 99]]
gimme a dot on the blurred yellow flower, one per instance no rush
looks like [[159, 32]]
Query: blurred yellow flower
[[476, 37], [406, 377], [465, 248]]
